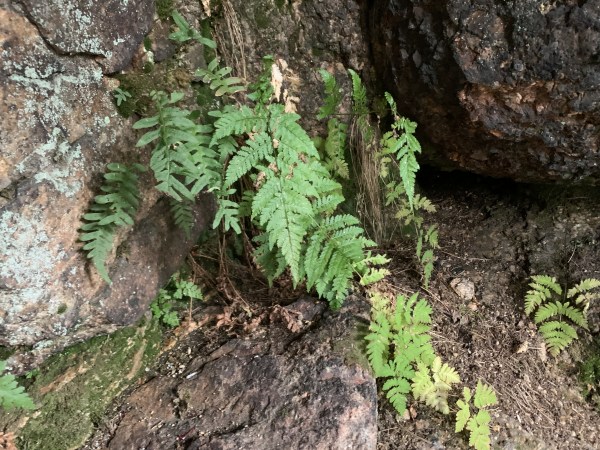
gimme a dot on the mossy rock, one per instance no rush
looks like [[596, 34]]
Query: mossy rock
[[74, 388]]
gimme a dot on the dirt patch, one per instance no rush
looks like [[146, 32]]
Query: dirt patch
[[494, 235]]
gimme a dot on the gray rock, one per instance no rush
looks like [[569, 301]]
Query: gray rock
[[59, 129]]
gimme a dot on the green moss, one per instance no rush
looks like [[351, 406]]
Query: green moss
[[75, 387], [261, 17], [589, 374], [353, 348], [147, 43], [164, 8], [280, 4], [6, 352], [61, 309]]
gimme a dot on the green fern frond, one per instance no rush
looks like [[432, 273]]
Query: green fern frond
[[111, 210], [478, 426], [433, 388], [540, 292], [464, 411], [335, 147], [291, 137], [333, 95], [397, 389], [285, 214], [360, 105], [185, 32], [557, 335], [11, 394], [183, 215], [583, 286], [219, 79], [238, 123], [258, 149], [484, 395]]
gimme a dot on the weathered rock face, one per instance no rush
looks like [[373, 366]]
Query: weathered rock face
[[283, 390], [502, 88], [59, 128]]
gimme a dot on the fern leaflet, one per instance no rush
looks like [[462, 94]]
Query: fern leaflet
[[333, 95], [111, 210], [183, 215], [11, 394], [478, 424]]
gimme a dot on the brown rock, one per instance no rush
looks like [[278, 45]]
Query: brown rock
[[300, 395], [507, 89]]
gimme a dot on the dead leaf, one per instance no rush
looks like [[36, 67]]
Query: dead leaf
[[7, 441]]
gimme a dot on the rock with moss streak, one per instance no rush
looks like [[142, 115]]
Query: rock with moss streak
[[59, 129], [302, 384]]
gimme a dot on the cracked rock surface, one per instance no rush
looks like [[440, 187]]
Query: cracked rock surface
[[501, 88], [59, 128], [276, 389]]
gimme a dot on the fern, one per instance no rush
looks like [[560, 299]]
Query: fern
[[360, 106], [333, 95], [219, 79], [551, 314], [478, 424], [185, 32], [399, 342], [540, 292], [335, 147], [111, 210], [183, 215], [11, 394], [182, 162], [432, 384]]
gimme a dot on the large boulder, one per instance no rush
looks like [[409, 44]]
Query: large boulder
[[59, 129], [507, 89]]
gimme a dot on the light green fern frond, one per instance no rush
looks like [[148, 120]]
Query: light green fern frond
[[479, 428], [258, 149], [433, 386], [219, 79], [111, 210], [484, 395], [333, 95], [540, 292], [478, 425], [558, 335], [11, 394], [581, 292], [464, 411]]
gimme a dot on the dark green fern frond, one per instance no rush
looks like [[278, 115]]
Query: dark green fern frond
[[333, 251], [335, 148], [360, 105], [333, 95], [183, 215], [111, 210], [185, 32]]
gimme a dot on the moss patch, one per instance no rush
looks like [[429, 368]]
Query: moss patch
[[164, 8], [74, 388]]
